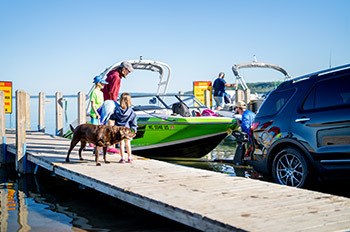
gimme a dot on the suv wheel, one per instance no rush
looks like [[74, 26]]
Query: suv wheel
[[290, 168]]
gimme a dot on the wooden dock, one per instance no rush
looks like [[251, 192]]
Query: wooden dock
[[204, 200]]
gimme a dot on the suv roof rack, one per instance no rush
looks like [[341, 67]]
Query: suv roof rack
[[320, 72]]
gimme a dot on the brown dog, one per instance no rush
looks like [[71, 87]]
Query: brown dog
[[99, 135]]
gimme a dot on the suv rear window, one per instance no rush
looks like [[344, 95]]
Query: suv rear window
[[329, 93], [274, 102]]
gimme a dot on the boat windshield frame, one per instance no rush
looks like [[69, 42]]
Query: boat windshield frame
[[160, 98]]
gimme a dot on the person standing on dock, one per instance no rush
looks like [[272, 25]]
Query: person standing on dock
[[114, 77], [219, 90], [124, 115], [97, 99]]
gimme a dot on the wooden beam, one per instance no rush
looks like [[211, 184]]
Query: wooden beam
[[207, 98], [2, 128], [28, 111], [59, 114], [20, 131], [41, 121], [81, 108]]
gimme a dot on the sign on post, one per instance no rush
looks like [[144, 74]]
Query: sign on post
[[6, 86], [199, 88]]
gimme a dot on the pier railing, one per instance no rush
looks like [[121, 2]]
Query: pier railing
[[23, 123]]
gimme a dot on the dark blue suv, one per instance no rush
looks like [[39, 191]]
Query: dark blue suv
[[302, 130]]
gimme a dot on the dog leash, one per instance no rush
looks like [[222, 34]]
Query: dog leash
[[103, 134]]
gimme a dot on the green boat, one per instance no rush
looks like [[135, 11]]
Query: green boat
[[163, 133]]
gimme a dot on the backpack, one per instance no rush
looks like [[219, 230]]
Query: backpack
[[182, 109]]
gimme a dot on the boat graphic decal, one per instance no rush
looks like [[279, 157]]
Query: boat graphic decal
[[177, 141], [160, 127]]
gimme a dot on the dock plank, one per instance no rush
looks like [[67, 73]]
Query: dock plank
[[202, 199]]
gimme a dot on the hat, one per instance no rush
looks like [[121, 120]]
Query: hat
[[241, 104], [127, 65], [99, 79]]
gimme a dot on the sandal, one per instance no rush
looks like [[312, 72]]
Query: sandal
[[122, 161], [129, 160]]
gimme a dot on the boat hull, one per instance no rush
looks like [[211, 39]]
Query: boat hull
[[193, 148], [190, 137]]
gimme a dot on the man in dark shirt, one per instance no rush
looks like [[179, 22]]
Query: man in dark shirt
[[219, 90]]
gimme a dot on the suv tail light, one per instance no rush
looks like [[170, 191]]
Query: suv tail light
[[254, 125]]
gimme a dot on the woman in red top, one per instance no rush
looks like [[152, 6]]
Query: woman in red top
[[114, 77]]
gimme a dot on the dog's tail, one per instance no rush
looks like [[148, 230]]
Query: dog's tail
[[71, 128]]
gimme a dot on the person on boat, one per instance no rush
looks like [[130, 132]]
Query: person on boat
[[124, 115], [219, 90], [247, 117], [97, 99], [114, 77]]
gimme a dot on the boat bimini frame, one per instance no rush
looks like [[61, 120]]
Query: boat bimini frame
[[151, 65], [154, 66], [254, 64]]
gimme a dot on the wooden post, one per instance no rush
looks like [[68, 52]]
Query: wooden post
[[247, 96], [28, 111], [81, 108], [21, 131], [207, 98], [41, 122], [2, 128], [180, 95], [59, 114]]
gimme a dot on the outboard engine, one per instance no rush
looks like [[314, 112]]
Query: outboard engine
[[241, 139]]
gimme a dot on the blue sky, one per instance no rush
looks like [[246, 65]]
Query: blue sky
[[60, 45]]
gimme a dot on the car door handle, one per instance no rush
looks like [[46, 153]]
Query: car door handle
[[302, 120]]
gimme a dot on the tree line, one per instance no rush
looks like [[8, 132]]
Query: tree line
[[261, 87]]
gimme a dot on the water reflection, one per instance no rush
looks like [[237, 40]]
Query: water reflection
[[50, 203]]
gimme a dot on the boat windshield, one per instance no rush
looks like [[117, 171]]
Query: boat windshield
[[149, 102]]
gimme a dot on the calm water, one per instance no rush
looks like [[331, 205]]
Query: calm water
[[50, 203]]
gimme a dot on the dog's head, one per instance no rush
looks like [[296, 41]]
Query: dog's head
[[122, 132]]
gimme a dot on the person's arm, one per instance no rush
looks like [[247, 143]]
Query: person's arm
[[133, 122], [231, 85]]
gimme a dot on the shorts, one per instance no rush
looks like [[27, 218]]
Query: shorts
[[94, 121], [219, 100]]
